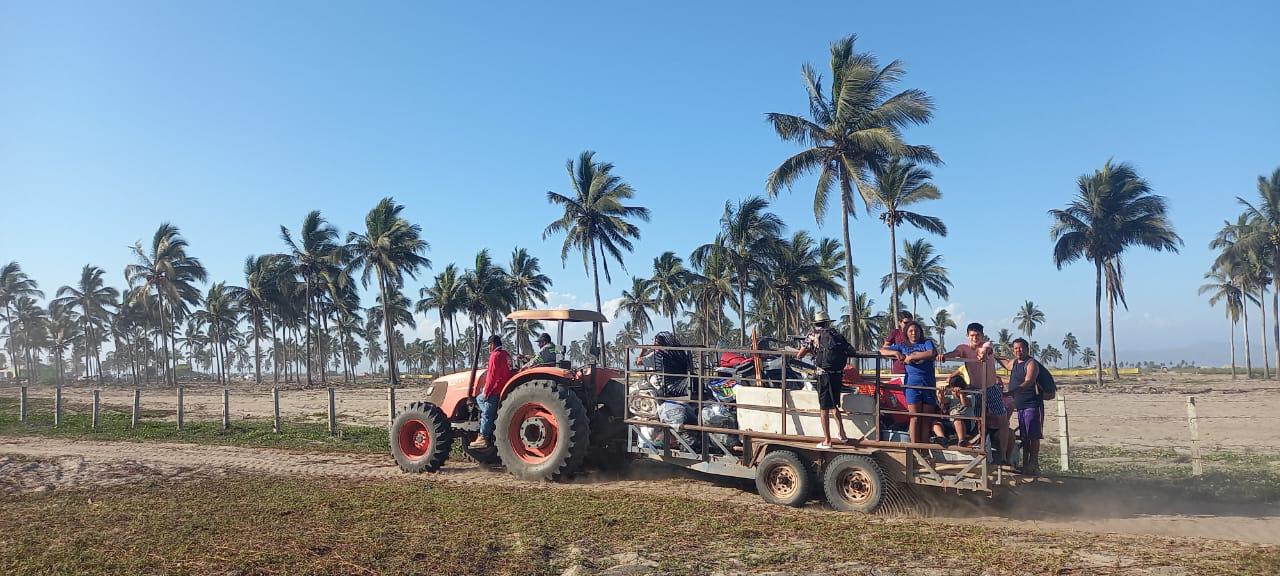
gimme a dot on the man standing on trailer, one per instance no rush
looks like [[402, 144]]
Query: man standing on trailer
[[495, 375], [1024, 375], [831, 353]]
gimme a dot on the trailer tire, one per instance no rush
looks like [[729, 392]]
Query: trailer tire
[[853, 483], [542, 432], [420, 438], [783, 477]]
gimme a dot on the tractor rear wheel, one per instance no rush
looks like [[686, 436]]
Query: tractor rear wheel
[[420, 438], [542, 432]]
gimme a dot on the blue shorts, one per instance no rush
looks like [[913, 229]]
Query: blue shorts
[[917, 396]]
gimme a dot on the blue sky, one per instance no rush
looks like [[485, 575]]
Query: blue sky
[[232, 118]]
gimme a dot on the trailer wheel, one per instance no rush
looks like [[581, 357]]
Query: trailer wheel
[[420, 438], [853, 483], [542, 432], [783, 477]]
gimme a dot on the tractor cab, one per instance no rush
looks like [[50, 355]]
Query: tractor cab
[[561, 316]]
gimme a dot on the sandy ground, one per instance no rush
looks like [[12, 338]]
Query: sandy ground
[[30, 464], [1151, 412]]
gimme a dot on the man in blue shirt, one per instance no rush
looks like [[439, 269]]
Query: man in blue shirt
[[918, 354]]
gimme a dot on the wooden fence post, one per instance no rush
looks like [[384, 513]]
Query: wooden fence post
[[333, 414], [57, 406], [181, 411], [137, 408], [97, 402], [22, 405], [1064, 437], [1197, 467], [391, 403], [226, 409], [275, 402]]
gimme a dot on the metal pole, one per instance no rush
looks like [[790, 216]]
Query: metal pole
[[97, 402], [22, 405], [181, 410], [1197, 468], [333, 413], [391, 404], [226, 409], [137, 407], [57, 406], [1064, 438], [785, 394], [275, 402]]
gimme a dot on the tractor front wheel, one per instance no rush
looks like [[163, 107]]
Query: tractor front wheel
[[542, 432], [421, 438]]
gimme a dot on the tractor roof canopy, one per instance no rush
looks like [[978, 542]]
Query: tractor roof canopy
[[565, 314]]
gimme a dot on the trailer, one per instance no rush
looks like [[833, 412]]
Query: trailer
[[767, 429]]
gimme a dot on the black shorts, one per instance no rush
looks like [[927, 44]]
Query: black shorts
[[829, 390]]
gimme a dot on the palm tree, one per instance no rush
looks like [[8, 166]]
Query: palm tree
[[922, 273], [748, 237], [671, 281], [900, 184], [445, 296], [390, 248], [529, 285], [831, 260], [1087, 356], [1114, 209], [32, 334], [1244, 265], [170, 272], [91, 298], [854, 129], [487, 292], [14, 284], [1222, 288], [1262, 237], [221, 314], [64, 333], [794, 271], [942, 321], [595, 220], [1051, 355], [1029, 317], [710, 287], [1071, 345], [868, 326], [637, 303], [315, 252]]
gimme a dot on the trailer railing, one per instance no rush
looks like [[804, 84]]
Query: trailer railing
[[970, 469]]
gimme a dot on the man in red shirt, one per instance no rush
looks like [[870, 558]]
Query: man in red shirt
[[898, 337], [497, 374]]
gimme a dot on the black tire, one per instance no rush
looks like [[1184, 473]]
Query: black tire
[[486, 457], [783, 477], [853, 483], [420, 438], [550, 428]]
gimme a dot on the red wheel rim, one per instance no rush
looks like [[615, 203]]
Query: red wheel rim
[[415, 438], [534, 433]]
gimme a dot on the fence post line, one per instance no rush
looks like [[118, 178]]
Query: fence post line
[[137, 407], [57, 406], [181, 411], [226, 408], [1064, 437], [22, 405], [333, 413], [97, 402], [391, 403], [275, 402], [1197, 467]]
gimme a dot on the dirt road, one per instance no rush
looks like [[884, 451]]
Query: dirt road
[[49, 464]]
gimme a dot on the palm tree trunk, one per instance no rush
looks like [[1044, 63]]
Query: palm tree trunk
[[1275, 325], [320, 343], [742, 308], [275, 353], [893, 269], [1111, 326], [1232, 324], [1248, 355], [386, 322], [845, 209], [307, 321], [164, 338], [1262, 310], [440, 342], [1097, 316], [597, 333], [257, 351]]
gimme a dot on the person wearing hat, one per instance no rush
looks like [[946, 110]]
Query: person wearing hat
[[831, 352], [546, 352]]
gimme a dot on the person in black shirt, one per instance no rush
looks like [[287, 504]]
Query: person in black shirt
[[831, 352]]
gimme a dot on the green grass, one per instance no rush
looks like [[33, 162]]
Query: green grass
[[273, 525], [114, 425], [1228, 476]]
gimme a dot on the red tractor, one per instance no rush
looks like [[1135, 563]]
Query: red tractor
[[552, 418]]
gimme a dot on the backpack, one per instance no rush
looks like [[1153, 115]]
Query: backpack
[[1045, 385], [832, 352]]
